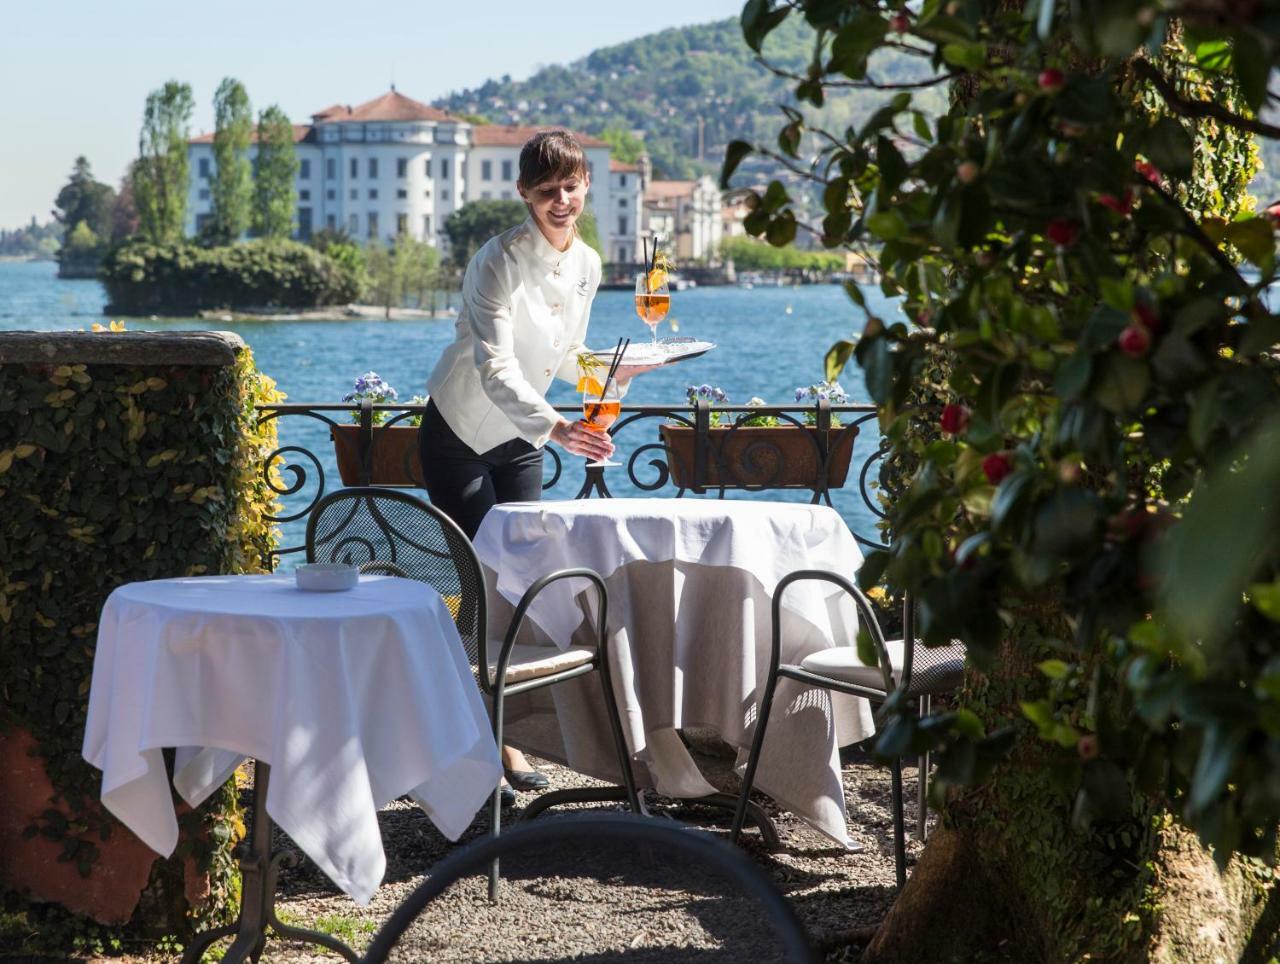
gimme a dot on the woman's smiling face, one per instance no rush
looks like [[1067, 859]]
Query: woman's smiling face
[[556, 205]]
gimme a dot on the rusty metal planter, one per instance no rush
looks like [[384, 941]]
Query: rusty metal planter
[[388, 454], [741, 457]]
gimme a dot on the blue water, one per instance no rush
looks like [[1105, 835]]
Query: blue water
[[770, 340]]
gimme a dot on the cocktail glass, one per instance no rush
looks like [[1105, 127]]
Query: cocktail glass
[[600, 409], [653, 298]]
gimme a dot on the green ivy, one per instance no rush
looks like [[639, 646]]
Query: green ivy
[[109, 475]]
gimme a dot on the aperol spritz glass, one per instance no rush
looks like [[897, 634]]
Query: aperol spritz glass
[[653, 298], [600, 409]]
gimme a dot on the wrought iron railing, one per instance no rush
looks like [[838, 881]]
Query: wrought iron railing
[[830, 454]]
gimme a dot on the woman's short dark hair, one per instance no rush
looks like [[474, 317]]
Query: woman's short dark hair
[[551, 155]]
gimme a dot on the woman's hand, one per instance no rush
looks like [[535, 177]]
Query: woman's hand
[[580, 440]]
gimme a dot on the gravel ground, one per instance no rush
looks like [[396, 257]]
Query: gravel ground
[[839, 896]]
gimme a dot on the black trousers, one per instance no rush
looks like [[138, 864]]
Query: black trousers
[[465, 484]]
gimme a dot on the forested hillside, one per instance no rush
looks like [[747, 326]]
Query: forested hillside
[[688, 91], [669, 84]]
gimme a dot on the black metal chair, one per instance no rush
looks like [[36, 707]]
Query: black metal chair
[[597, 888], [392, 532], [918, 673]]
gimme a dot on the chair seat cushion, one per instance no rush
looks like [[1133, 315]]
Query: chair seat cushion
[[532, 662], [935, 670]]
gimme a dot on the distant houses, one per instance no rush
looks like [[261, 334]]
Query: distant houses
[[394, 165]]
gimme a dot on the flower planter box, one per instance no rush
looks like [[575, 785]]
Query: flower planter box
[[783, 456], [394, 460]]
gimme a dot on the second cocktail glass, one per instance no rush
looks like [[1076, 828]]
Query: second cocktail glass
[[653, 299]]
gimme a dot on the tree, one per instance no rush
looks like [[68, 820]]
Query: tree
[[232, 187], [626, 146], [407, 268], [124, 211], [589, 231], [275, 195], [160, 173], [83, 199], [1083, 410], [476, 222]]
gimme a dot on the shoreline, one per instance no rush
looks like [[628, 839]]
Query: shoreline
[[329, 313]]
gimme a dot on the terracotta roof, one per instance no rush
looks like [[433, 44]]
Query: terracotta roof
[[619, 167], [391, 106], [514, 135], [664, 190], [300, 134]]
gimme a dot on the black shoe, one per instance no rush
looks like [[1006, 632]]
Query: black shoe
[[526, 779], [508, 797]]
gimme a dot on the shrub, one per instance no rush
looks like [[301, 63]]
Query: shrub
[[142, 277]]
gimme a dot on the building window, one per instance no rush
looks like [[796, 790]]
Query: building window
[[444, 169], [485, 195], [444, 194], [486, 170], [331, 222], [373, 167], [622, 255], [401, 193], [354, 194], [373, 194], [353, 225], [355, 167], [402, 167], [506, 170], [622, 203], [506, 195], [426, 225], [373, 224], [426, 167], [622, 225], [331, 195], [330, 168], [304, 195], [204, 167], [622, 180], [304, 169], [402, 224], [304, 223], [202, 221], [427, 194], [204, 194]]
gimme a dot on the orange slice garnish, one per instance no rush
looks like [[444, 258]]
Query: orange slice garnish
[[589, 384], [657, 278]]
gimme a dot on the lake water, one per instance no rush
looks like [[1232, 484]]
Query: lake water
[[770, 340]]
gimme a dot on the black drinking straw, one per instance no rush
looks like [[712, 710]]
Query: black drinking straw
[[653, 258], [618, 352]]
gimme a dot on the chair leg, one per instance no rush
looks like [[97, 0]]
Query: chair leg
[[899, 829], [495, 807], [619, 740], [753, 759], [922, 779]]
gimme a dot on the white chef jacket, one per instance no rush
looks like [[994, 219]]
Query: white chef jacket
[[523, 321]]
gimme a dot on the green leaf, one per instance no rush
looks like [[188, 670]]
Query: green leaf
[[836, 358], [733, 155], [1073, 376], [1253, 67], [970, 55], [1168, 145], [781, 230], [758, 19], [887, 225], [1121, 384], [1254, 237], [854, 43], [1054, 668], [1265, 597], [967, 723]]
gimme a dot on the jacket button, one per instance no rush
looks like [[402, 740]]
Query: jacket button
[[547, 372], [555, 344], [555, 309]]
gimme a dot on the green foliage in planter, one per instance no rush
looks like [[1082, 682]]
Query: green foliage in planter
[[1068, 239], [108, 475], [146, 278]]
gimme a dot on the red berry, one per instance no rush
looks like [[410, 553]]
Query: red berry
[[967, 172], [1146, 316], [1272, 214], [1087, 747], [1134, 341], [1149, 172], [1122, 205], [996, 466], [955, 419], [900, 22], [1051, 80], [1062, 232]]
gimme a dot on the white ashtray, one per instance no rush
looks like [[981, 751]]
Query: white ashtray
[[326, 577]]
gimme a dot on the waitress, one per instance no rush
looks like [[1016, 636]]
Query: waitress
[[526, 300]]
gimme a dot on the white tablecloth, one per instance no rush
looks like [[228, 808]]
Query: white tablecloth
[[354, 698], [690, 583]]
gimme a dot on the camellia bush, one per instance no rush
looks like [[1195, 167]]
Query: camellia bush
[[1083, 408]]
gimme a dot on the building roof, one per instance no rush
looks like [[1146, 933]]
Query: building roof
[[300, 134], [391, 106], [621, 167], [668, 190], [514, 135]]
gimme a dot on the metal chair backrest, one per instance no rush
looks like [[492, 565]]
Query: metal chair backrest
[[391, 532], [599, 888]]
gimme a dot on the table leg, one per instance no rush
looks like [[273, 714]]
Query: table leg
[[258, 870]]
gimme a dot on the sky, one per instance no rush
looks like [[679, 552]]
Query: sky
[[75, 74]]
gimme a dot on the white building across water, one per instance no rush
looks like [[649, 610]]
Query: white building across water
[[396, 166]]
